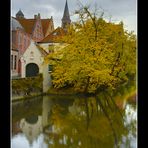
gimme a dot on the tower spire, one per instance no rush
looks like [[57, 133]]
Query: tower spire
[[66, 17], [19, 14]]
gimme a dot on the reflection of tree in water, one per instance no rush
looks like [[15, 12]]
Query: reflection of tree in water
[[91, 122]]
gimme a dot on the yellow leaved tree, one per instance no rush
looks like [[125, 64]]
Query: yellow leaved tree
[[99, 55]]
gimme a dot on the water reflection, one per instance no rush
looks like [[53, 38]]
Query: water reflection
[[68, 121]]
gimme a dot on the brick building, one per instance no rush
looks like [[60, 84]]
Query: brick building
[[27, 34], [23, 31]]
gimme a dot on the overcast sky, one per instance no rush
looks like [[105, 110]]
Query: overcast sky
[[117, 10]]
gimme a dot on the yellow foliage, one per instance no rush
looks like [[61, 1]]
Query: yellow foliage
[[98, 55]]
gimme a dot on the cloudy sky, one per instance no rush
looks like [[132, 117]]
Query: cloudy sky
[[117, 10]]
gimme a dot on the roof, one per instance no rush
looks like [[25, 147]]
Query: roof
[[54, 36], [43, 52], [27, 24], [15, 24], [45, 25]]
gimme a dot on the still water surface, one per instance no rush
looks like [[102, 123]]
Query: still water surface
[[72, 122]]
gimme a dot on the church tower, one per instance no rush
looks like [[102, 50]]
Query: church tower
[[66, 17]]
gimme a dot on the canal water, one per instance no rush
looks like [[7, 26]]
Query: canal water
[[73, 122]]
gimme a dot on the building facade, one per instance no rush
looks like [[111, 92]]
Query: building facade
[[23, 32], [30, 42]]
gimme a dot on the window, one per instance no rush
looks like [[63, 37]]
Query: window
[[18, 39], [11, 61], [20, 42], [15, 61], [24, 41], [50, 68]]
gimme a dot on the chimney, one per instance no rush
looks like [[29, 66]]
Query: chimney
[[39, 16], [35, 16]]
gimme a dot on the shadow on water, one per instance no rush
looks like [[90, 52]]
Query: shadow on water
[[73, 121]]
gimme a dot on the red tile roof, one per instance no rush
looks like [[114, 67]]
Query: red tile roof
[[27, 24], [54, 36], [43, 52], [45, 24]]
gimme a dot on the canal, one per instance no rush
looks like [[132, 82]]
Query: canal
[[73, 122]]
